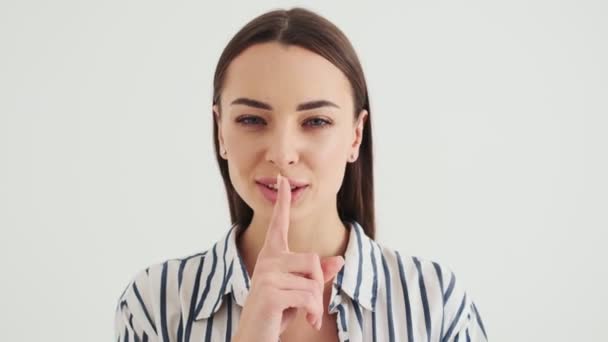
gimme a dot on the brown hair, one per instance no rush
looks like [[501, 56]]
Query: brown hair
[[306, 29]]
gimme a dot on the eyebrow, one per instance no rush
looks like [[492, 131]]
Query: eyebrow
[[301, 107]]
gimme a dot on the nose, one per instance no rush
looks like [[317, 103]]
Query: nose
[[282, 149]]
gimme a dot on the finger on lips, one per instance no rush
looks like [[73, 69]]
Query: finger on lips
[[302, 265]]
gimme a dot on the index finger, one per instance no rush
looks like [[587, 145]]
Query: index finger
[[276, 235]]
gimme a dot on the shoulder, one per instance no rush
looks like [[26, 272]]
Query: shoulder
[[153, 295], [154, 291], [432, 290], [160, 280], [151, 279], [417, 271]]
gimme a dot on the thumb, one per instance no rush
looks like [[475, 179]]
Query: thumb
[[331, 266]]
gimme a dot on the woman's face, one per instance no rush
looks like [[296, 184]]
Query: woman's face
[[280, 133]]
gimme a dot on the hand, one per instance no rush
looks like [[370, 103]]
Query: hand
[[284, 282]]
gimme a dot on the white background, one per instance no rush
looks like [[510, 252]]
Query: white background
[[490, 123]]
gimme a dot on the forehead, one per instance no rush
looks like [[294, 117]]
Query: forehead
[[284, 76]]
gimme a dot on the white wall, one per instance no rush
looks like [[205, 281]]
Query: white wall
[[490, 123]]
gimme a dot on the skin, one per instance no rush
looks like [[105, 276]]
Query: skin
[[312, 145]]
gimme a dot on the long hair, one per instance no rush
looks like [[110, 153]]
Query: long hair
[[306, 29]]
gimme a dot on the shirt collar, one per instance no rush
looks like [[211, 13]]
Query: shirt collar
[[226, 274]]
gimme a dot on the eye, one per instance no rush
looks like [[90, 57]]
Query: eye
[[320, 122], [246, 120], [249, 120]]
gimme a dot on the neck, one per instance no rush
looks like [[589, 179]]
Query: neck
[[303, 237]]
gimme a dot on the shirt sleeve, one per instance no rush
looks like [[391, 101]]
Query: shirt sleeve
[[134, 320], [462, 321]]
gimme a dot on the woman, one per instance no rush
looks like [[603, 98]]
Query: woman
[[293, 140]]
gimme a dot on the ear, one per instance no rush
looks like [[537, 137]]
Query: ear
[[218, 121], [358, 134]]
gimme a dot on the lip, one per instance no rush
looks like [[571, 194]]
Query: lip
[[273, 180], [272, 195]]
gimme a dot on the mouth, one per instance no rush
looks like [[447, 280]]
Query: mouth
[[273, 187], [270, 192]]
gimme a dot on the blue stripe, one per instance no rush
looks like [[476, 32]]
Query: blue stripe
[[225, 276], [209, 329], [389, 300], [182, 265], [357, 309], [243, 269], [375, 272], [406, 299], [360, 254], [342, 318], [374, 326], [359, 275], [374, 289], [208, 284], [340, 277], [448, 293], [439, 275], [244, 272], [479, 322], [191, 316], [440, 278], [223, 288], [180, 274], [180, 328], [131, 321], [425, 301], [163, 303], [135, 336], [455, 321], [143, 306]]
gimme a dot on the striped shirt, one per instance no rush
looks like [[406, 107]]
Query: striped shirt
[[378, 295]]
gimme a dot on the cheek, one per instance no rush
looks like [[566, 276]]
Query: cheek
[[328, 164], [331, 149], [241, 160]]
